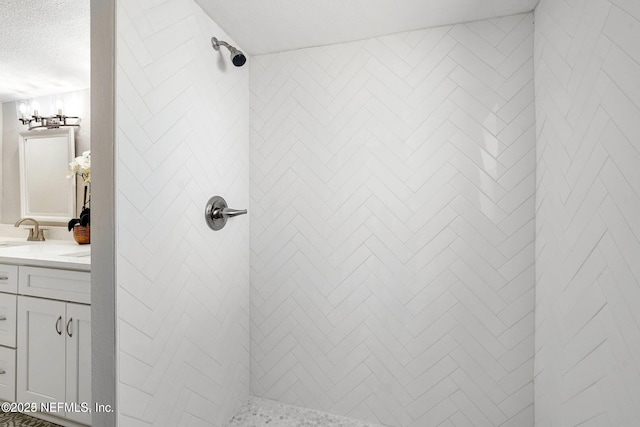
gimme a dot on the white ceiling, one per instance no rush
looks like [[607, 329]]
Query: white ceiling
[[265, 26], [44, 47]]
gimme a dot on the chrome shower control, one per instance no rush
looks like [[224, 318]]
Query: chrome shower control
[[217, 212]]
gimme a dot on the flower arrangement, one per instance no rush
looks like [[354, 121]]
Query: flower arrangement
[[81, 166]]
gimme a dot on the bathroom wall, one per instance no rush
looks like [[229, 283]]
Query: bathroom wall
[[182, 289], [77, 103], [392, 230], [1, 150], [587, 63]]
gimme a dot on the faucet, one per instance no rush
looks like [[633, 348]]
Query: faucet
[[35, 234]]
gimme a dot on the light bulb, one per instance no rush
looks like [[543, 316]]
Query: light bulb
[[36, 107]]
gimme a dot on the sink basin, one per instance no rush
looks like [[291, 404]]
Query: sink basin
[[10, 244], [78, 254]]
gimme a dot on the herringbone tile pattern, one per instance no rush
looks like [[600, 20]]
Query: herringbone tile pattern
[[587, 56], [392, 199], [183, 289]]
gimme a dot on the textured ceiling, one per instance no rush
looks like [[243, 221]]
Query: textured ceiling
[[265, 26], [44, 47]]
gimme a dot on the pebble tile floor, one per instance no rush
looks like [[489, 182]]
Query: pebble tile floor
[[267, 413], [256, 413]]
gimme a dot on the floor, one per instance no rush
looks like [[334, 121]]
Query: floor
[[261, 412], [15, 419], [256, 413]]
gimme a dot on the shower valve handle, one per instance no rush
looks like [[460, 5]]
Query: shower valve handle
[[216, 213], [228, 212]]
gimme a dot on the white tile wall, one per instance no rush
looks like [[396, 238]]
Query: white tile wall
[[587, 63], [183, 289], [392, 200]]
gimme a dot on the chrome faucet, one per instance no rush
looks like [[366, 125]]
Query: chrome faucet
[[36, 234]]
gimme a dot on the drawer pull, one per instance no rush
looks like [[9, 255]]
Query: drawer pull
[[68, 325], [2, 372], [58, 330], [4, 278], [3, 318]]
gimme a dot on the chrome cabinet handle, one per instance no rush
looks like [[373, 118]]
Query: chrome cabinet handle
[[4, 278], [216, 213], [2, 372], [67, 328], [58, 330], [3, 318]]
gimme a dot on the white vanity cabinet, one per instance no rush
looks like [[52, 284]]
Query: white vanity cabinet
[[54, 354], [45, 340], [8, 302]]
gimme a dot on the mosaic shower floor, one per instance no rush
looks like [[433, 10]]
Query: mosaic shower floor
[[256, 413], [267, 413]]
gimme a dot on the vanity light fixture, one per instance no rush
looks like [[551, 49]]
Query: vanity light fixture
[[36, 121]]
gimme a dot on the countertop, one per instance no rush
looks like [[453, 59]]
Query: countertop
[[50, 253]]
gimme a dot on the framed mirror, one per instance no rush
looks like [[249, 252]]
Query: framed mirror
[[46, 194]]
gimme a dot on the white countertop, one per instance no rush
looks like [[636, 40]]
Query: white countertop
[[50, 253]]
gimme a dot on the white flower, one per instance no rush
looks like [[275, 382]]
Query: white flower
[[81, 165], [73, 169]]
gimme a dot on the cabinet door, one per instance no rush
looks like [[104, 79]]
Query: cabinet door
[[8, 320], [7, 374], [8, 278], [41, 351], [78, 332]]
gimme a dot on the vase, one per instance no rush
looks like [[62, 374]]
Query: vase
[[82, 234]]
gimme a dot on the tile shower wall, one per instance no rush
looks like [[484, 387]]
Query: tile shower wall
[[587, 63], [392, 200], [183, 289]]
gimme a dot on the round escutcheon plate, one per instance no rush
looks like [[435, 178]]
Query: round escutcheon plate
[[212, 215]]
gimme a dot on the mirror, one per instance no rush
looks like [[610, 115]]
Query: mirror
[[46, 194], [45, 57]]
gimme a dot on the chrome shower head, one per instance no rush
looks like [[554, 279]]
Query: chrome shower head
[[237, 57]]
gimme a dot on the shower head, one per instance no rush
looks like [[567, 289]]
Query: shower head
[[237, 57]]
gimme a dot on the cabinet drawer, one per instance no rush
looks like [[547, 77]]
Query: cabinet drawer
[[55, 284], [8, 278], [7, 374], [8, 305]]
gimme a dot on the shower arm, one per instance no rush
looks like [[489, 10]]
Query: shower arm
[[217, 43]]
